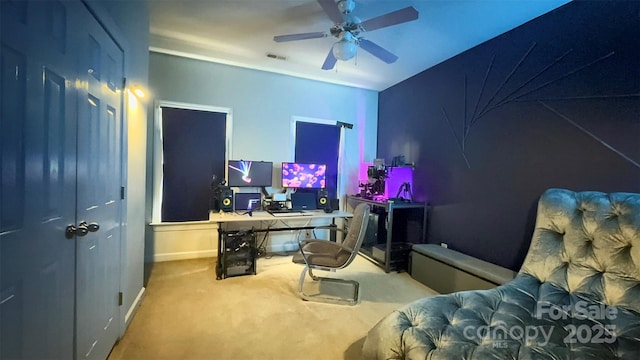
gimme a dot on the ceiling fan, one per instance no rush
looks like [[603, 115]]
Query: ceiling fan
[[347, 29]]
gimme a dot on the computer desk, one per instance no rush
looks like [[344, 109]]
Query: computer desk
[[262, 221]]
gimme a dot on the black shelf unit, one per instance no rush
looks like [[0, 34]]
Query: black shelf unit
[[393, 227], [238, 253]]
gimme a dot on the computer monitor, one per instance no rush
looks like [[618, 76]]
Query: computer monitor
[[304, 200], [244, 173], [247, 201], [303, 175]]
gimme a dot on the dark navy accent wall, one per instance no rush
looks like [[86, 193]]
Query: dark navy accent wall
[[552, 103]]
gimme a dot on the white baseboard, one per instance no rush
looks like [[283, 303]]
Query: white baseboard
[[134, 307], [283, 247], [185, 255], [182, 241]]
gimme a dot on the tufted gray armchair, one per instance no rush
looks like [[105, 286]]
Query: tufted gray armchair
[[577, 295]]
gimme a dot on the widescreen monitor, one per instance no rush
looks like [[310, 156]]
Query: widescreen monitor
[[244, 173], [303, 175]]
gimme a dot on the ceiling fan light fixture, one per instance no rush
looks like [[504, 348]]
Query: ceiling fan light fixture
[[346, 6], [344, 49]]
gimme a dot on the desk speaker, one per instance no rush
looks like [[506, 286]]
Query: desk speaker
[[225, 199], [323, 199]]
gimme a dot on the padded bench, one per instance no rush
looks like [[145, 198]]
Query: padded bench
[[446, 271]]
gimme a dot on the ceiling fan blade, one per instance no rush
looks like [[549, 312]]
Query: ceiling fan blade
[[330, 61], [302, 36], [389, 19], [377, 51], [330, 7]]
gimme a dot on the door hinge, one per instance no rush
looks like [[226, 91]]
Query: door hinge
[[120, 296], [122, 193]]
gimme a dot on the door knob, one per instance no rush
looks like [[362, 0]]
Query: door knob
[[93, 227], [70, 231], [81, 230]]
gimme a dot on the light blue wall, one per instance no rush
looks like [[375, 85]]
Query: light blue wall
[[263, 104]]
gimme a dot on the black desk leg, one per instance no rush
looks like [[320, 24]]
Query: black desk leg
[[219, 258]]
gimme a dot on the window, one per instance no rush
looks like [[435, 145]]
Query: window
[[319, 141], [190, 147]]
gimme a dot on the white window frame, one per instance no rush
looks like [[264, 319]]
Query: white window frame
[[294, 122], [158, 158]]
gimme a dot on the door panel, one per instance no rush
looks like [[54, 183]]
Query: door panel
[[99, 182], [53, 145], [61, 132], [13, 84], [12, 198], [38, 181]]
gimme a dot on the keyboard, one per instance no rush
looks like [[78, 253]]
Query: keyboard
[[279, 211], [287, 212]]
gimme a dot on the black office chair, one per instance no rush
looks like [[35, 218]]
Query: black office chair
[[331, 256]]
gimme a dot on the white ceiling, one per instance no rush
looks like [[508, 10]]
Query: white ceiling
[[240, 33]]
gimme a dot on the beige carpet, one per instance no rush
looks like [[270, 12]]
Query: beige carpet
[[188, 314]]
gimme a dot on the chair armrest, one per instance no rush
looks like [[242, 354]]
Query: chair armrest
[[333, 230], [330, 227], [301, 243], [327, 242]]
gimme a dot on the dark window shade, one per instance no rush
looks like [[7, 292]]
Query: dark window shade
[[193, 151], [319, 143]]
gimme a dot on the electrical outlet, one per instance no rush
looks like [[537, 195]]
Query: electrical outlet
[[444, 245]]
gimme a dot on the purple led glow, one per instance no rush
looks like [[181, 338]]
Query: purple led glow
[[396, 176]]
